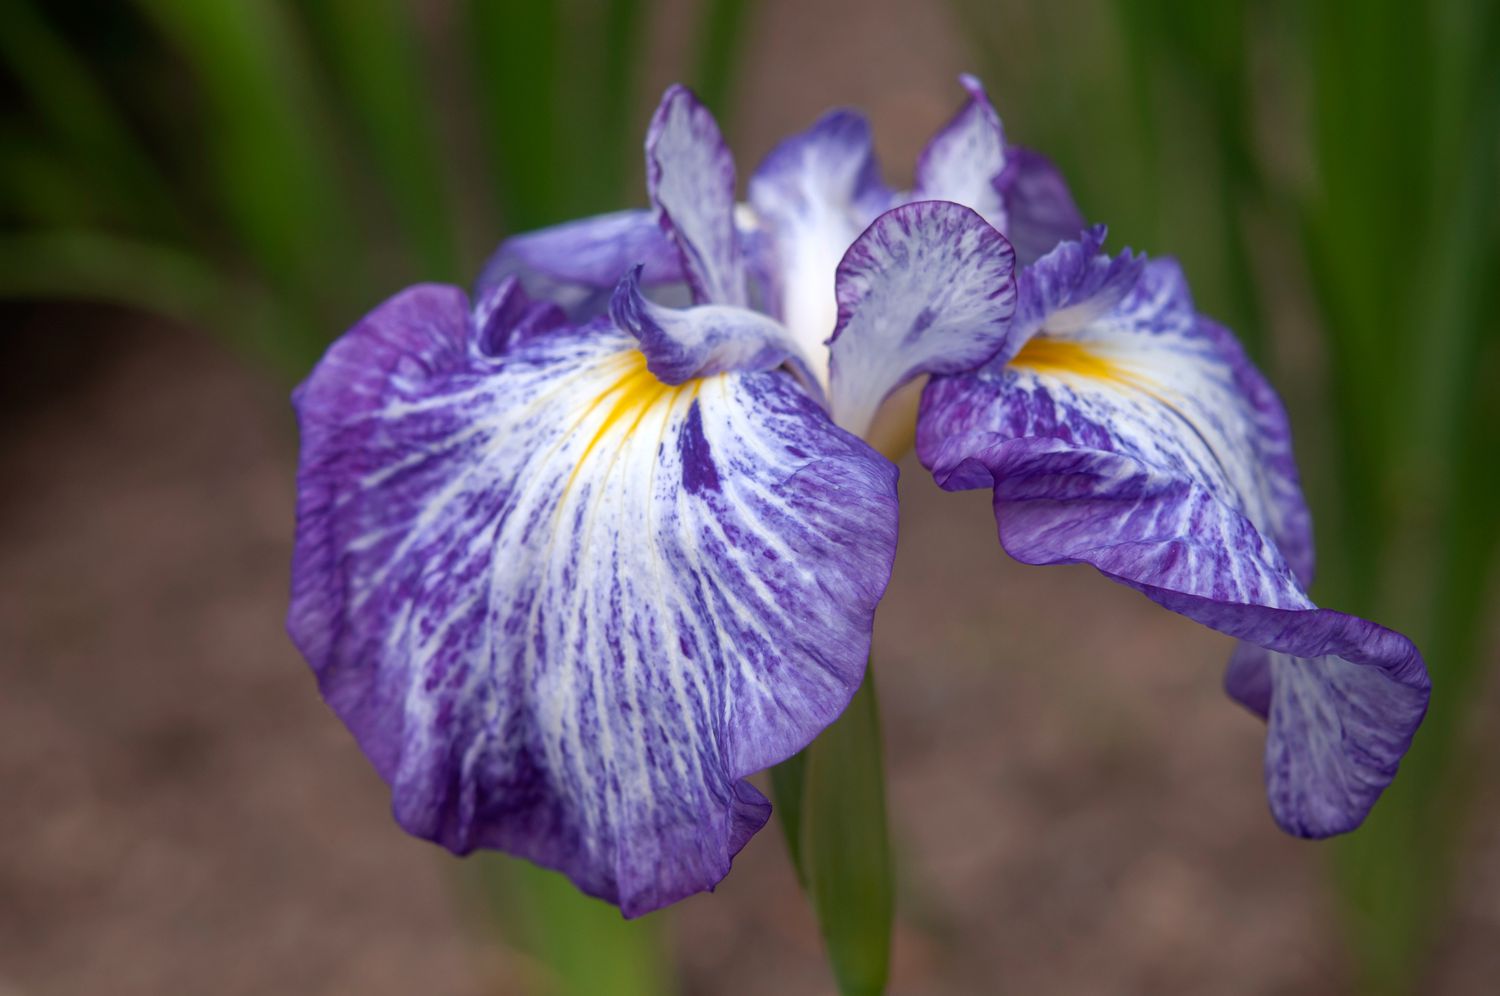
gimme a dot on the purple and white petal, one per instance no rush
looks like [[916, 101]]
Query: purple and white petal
[[1039, 208], [1144, 443], [566, 608], [1070, 287], [964, 160], [690, 176], [577, 264], [812, 197], [1324, 712], [928, 288], [684, 343], [1149, 378]]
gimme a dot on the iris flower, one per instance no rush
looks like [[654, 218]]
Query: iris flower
[[1119, 428], [575, 558]]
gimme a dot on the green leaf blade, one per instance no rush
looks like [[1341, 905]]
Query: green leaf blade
[[846, 845]]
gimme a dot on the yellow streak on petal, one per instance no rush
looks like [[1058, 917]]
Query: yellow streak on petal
[[634, 393], [1047, 354]]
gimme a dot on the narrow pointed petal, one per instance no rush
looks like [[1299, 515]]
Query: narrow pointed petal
[[578, 264], [928, 288], [1039, 208], [964, 160], [1142, 441], [812, 196], [566, 608], [685, 343], [690, 176]]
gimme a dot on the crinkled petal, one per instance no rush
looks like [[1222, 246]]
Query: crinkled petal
[[928, 288], [690, 176], [1071, 287], [1145, 444], [1039, 209], [566, 608], [684, 343], [964, 160], [812, 196], [577, 264]]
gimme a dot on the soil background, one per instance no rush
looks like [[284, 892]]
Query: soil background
[[1077, 807]]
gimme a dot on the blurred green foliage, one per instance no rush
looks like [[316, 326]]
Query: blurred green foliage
[[1328, 174], [265, 169]]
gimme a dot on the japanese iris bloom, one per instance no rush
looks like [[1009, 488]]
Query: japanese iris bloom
[[576, 558], [571, 574]]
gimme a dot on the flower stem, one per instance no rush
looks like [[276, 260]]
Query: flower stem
[[573, 944], [832, 801]]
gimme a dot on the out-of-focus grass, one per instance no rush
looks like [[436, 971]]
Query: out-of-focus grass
[[1339, 162], [266, 169]]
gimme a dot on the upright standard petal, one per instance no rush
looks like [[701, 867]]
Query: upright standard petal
[[965, 159], [1142, 441], [1016, 190], [812, 196], [928, 288], [1039, 208], [578, 264], [690, 176], [564, 607]]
